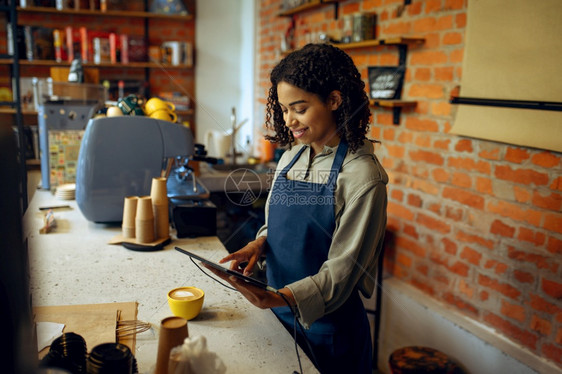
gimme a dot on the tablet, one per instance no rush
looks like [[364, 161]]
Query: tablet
[[238, 275]]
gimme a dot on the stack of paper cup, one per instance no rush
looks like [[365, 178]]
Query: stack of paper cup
[[129, 215], [144, 221], [146, 218], [159, 196]]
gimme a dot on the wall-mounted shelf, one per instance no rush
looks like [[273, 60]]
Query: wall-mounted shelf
[[395, 105], [308, 6], [25, 112], [99, 13], [13, 111], [130, 65], [398, 40], [402, 44], [11, 18], [98, 20]]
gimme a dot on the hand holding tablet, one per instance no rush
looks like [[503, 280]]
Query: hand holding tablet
[[220, 268]]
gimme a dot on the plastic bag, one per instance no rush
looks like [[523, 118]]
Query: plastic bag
[[193, 357]]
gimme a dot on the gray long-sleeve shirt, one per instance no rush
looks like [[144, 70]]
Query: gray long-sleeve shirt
[[360, 212]]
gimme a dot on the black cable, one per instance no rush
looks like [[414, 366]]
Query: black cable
[[296, 322], [314, 360], [213, 278], [295, 319]]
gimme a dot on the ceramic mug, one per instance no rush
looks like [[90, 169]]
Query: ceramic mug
[[114, 111], [218, 143], [186, 302], [155, 104], [164, 114]]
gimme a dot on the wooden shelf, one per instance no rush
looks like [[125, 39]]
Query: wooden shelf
[[130, 65], [109, 13], [13, 111], [310, 5], [392, 103], [33, 162], [395, 105], [188, 112], [376, 42]]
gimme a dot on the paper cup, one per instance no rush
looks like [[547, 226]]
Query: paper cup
[[129, 216], [158, 191], [144, 231], [173, 331], [161, 221], [144, 220], [144, 208], [159, 195]]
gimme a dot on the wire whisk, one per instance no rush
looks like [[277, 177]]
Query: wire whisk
[[129, 328]]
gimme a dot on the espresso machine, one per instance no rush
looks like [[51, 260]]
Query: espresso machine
[[191, 211], [119, 156]]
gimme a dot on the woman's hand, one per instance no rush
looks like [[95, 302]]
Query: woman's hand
[[259, 297], [250, 253]]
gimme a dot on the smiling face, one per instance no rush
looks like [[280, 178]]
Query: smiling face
[[310, 120]]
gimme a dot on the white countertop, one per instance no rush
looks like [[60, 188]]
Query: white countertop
[[75, 265]]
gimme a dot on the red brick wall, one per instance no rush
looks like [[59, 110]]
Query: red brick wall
[[475, 224]]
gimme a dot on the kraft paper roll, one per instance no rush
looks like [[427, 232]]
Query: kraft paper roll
[[173, 331], [144, 220], [129, 216]]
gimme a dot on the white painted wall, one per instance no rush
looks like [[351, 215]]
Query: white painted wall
[[410, 318], [224, 71]]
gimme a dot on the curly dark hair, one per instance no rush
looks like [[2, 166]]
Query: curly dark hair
[[320, 69]]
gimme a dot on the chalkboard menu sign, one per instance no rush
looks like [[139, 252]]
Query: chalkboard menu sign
[[385, 82]]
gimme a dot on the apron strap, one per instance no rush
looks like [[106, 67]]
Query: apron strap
[[341, 152], [290, 165], [338, 161]]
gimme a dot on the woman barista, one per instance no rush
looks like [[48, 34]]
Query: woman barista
[[326, 211]]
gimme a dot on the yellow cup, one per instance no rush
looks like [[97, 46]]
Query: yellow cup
[[166, 115], [154, 104], [186, 302]]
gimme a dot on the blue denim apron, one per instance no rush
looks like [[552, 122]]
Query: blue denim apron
[[301, 223]]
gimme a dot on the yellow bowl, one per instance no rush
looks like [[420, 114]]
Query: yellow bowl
[[186, 302]]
